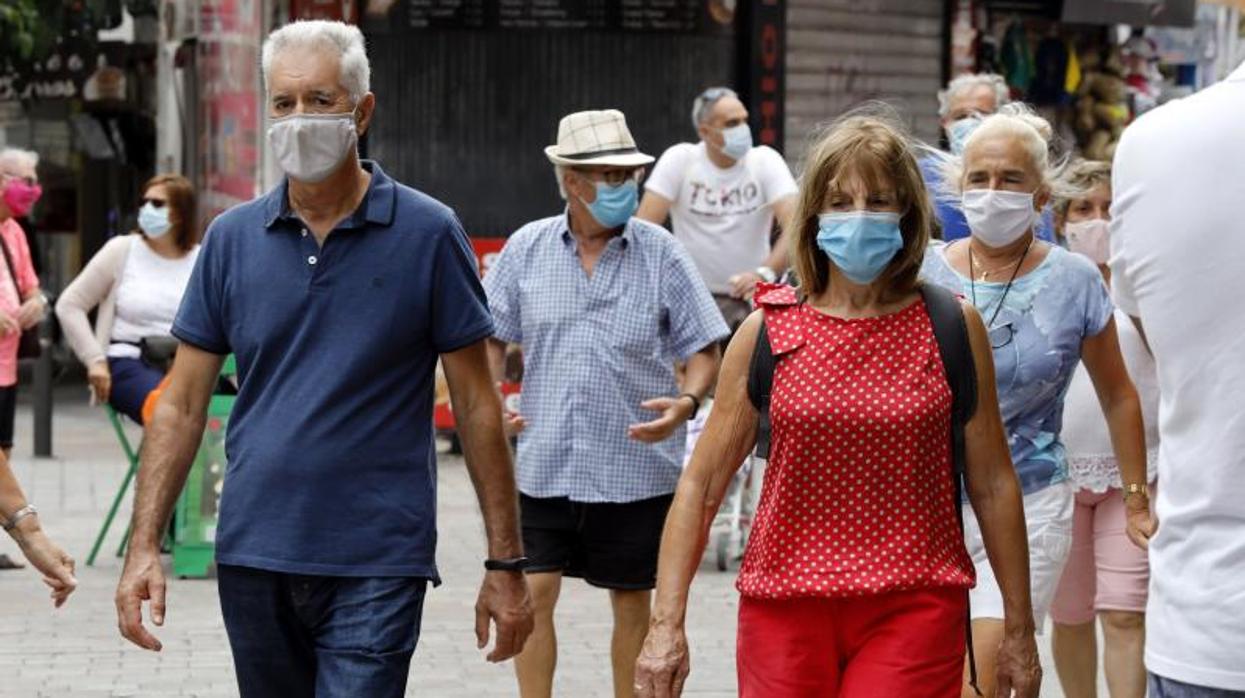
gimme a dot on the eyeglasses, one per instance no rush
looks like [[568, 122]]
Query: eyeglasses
[[157, 203], [1001, 335], [612, 177]]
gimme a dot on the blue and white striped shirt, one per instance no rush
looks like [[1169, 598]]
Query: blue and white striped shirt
[[594, 348]]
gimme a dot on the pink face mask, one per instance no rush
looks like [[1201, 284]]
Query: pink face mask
[[20, 197], [1091, 238]]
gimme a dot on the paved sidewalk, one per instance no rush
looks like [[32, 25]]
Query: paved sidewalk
[[76, 650]]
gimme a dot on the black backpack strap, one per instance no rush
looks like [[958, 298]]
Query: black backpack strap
[[951, 333], [760, 383]]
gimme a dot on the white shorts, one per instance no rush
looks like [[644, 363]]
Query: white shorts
[[1048, 518]]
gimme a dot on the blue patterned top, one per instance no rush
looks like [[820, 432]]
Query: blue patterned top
[[594, 348], [1047, 313]]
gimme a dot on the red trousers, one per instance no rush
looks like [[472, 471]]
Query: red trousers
[[908, 644]]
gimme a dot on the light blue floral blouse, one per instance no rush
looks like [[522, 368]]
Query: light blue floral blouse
[[1037, 344]]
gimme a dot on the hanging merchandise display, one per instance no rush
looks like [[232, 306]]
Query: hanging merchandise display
[[1102, 104], [1141, 72], [1017, 58]]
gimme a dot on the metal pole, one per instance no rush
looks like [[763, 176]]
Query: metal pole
[[43, 396]]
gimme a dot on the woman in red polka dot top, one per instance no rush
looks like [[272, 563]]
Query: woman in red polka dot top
[[854, 582]]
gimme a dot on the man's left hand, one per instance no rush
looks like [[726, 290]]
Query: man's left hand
[[743, 284], [674, 412], [505, 600], [31, 313]]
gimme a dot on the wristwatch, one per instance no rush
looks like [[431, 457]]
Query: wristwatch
[[695, 405], [766, 273], [1135, 489], [508, 564]]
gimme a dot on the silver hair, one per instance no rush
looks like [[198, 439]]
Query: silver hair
[[20, 157], [1015, 120], [971, 81], [560, 172], [703, 104], [344, 39]]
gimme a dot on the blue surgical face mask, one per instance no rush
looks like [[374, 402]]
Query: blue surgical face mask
[[154, 222], [860, 243], [958, 132], [614, 204], [736, 141]]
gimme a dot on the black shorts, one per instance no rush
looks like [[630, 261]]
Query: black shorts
[[8, 412], [612, 546]]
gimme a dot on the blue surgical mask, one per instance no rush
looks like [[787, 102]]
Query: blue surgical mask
[[736, 141], [860, 243], [958, 132], [614, 204], [154, 221]]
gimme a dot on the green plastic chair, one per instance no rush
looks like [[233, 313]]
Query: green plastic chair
[[219, 408], [131, 455]]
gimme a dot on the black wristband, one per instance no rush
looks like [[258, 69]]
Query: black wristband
[[509, 564], [695, 405]]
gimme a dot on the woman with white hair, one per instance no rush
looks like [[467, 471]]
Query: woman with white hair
[[1046, 309]]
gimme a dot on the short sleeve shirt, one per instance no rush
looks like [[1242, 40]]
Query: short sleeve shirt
[[1037, 338], [723, 216], [331, 458], [595, 348]]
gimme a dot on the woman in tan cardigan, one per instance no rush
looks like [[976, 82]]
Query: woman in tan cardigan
[[137, 282]]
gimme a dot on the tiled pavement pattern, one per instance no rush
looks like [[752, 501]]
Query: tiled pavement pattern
[[76, 651]]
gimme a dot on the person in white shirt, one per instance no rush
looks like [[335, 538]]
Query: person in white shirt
[[1177, 262], [136, 282], [1106, 575], [723, 196]]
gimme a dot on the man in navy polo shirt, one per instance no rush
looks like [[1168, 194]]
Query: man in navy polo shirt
[[337, 292]]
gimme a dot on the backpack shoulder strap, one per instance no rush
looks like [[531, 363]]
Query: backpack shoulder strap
[[951, 333], [760, 383]]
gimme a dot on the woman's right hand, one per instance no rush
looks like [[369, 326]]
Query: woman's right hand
[[47, 557], [100, 379], [663, 665], [8, 325]]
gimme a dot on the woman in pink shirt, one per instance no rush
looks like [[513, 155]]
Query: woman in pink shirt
[[22, 304]]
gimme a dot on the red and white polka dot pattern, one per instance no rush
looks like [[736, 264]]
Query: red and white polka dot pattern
[[858, 497]]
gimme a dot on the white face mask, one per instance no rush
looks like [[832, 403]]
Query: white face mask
[[1090, 238], [310, 147], [999, 218]]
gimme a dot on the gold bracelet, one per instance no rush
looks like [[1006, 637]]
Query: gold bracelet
[[1135, 489]]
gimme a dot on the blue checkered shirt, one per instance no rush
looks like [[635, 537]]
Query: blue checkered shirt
[[594, 348]]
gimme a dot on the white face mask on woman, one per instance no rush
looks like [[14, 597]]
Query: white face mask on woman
[[309, 147], [1090, 238], [999, 218]]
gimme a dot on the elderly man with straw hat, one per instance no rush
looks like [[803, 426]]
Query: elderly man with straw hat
[[602, 304]]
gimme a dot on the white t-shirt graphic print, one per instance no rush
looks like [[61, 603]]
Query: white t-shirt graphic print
[[722, 216]]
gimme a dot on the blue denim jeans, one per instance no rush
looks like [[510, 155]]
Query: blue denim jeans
[[296, 636], [1167, 688]]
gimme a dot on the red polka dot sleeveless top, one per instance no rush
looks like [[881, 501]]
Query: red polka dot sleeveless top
[[858, 497]]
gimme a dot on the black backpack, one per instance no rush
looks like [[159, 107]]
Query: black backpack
[[951, 333]]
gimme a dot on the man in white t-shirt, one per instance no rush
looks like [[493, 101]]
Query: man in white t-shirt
[[723, 196], [1178, 257]]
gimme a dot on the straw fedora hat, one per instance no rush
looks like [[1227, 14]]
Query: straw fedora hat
[[596, 138]]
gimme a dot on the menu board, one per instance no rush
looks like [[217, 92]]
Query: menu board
[[659, 16]]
